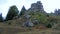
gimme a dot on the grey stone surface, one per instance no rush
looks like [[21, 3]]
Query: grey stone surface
[[28, 24], [57, 12], [36, 22], [36, 6], [27, 16]]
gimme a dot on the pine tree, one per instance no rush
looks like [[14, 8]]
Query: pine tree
[[13, 11], [1, 18], [22, 12]]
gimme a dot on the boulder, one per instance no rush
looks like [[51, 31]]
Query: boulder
[[28, 24], [27, 16], [36, 22]]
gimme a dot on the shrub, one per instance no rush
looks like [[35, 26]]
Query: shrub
[[49, 26]]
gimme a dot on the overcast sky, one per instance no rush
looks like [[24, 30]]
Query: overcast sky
[[49, 5]]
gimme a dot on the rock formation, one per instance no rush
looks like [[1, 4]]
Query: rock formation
[[57, 12], [37, 7]]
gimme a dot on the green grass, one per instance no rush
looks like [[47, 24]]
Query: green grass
[[20, 30], [48, 31]]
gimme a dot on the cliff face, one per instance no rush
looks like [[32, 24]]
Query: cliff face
[[57, 12], [36, 7]]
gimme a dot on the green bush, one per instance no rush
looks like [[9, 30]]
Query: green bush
[[49, 26]]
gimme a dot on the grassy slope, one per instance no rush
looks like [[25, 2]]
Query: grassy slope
[[15, 29], [20, 30], [47, 31]]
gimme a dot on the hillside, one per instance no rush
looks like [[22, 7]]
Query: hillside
[[32, 21]]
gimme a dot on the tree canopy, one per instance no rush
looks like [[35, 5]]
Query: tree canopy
[[13, 11], [22, 12]]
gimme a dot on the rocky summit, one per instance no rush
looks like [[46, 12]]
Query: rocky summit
[[36, 6]]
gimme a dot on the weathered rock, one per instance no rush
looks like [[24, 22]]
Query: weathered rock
[[27, 16], [28, 24], [57, 12], [36, 22], [37, 6]]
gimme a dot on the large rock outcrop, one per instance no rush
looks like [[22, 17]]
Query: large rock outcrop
[[32, 15], [57, 12], [37, 7]]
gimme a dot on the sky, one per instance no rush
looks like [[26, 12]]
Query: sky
[[48, 5]]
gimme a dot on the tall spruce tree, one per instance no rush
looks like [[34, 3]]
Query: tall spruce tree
[[13, 11], [1, 18], [22, 12]]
